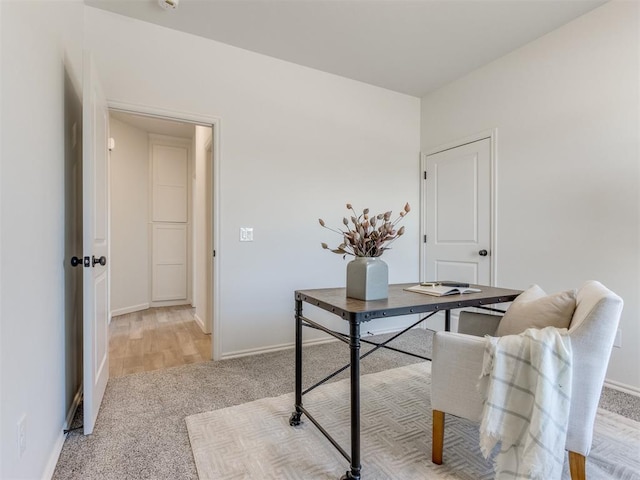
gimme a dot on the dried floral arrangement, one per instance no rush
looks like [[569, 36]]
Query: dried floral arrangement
[[367, 235]]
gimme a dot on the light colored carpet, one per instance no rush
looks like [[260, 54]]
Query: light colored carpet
[[141, 434], [254, 440]]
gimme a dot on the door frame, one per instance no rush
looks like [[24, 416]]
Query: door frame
[[492, 135], [208, 149], [200, 119]]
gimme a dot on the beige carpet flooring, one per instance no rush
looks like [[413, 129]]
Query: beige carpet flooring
[[255, 441], [141, 433]]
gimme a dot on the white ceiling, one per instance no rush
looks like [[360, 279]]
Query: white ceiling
[[156, 125], [409, 46]]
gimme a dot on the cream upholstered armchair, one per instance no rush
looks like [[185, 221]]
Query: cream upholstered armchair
[[458, 358]]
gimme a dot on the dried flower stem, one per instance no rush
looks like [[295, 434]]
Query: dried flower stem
[[367, 238]]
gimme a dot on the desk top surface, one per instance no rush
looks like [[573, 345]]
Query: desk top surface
[[400, 301]]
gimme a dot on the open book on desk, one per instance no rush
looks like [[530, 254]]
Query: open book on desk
[[441, 290]]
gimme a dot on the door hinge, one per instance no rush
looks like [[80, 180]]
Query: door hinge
[[425, 174], [425, 239], [214, 253]]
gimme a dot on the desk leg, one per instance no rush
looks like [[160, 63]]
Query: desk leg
[[447, 320], [354, 346], [294, 420]]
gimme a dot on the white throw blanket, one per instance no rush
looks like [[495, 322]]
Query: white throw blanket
[[526, 388]]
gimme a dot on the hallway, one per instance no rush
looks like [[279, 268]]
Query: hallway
[[155, 339]]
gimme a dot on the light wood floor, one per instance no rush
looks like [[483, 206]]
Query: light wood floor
[[155, 339]]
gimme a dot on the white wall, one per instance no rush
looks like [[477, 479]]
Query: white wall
[[39, 40], [2, 37], [129, 164], [567, 111], [295, 144], [201, 254]]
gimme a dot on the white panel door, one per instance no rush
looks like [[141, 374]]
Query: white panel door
[[170, 173], [458, 214], [95, 132], [169, 255]]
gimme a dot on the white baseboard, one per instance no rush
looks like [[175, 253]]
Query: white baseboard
[[631, 390], [54, 457], [57, 448], [274, 348], [286, 346], [131, 309], [200, 323], [170, 303], [381, 331]]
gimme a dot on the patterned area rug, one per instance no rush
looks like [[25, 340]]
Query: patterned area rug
[[255, 441]]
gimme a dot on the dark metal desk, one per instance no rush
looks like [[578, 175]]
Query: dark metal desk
[[399, 302]]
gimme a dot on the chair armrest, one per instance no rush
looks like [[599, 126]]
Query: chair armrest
[[455, 370]]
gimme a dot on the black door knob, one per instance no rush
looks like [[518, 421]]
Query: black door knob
[[75, 261], [483, 253], [102, 261]]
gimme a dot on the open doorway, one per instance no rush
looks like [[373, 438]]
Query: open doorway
[[161, 237]]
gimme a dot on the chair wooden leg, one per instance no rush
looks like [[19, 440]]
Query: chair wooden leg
[[577, 466], [438, 437]]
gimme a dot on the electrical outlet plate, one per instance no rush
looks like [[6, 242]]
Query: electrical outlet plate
[[22, 434], [246, 234]]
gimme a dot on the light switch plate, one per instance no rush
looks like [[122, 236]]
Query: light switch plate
[[246, 234]]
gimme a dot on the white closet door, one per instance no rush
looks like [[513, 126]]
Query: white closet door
[[170, 218], [170, 167], [170, 262]]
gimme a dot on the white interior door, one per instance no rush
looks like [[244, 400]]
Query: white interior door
[[458, 214], [170, 166], [169, 269], [170, 216], [95, 217]]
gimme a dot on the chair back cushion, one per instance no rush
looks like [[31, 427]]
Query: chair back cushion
[[535, 309]]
